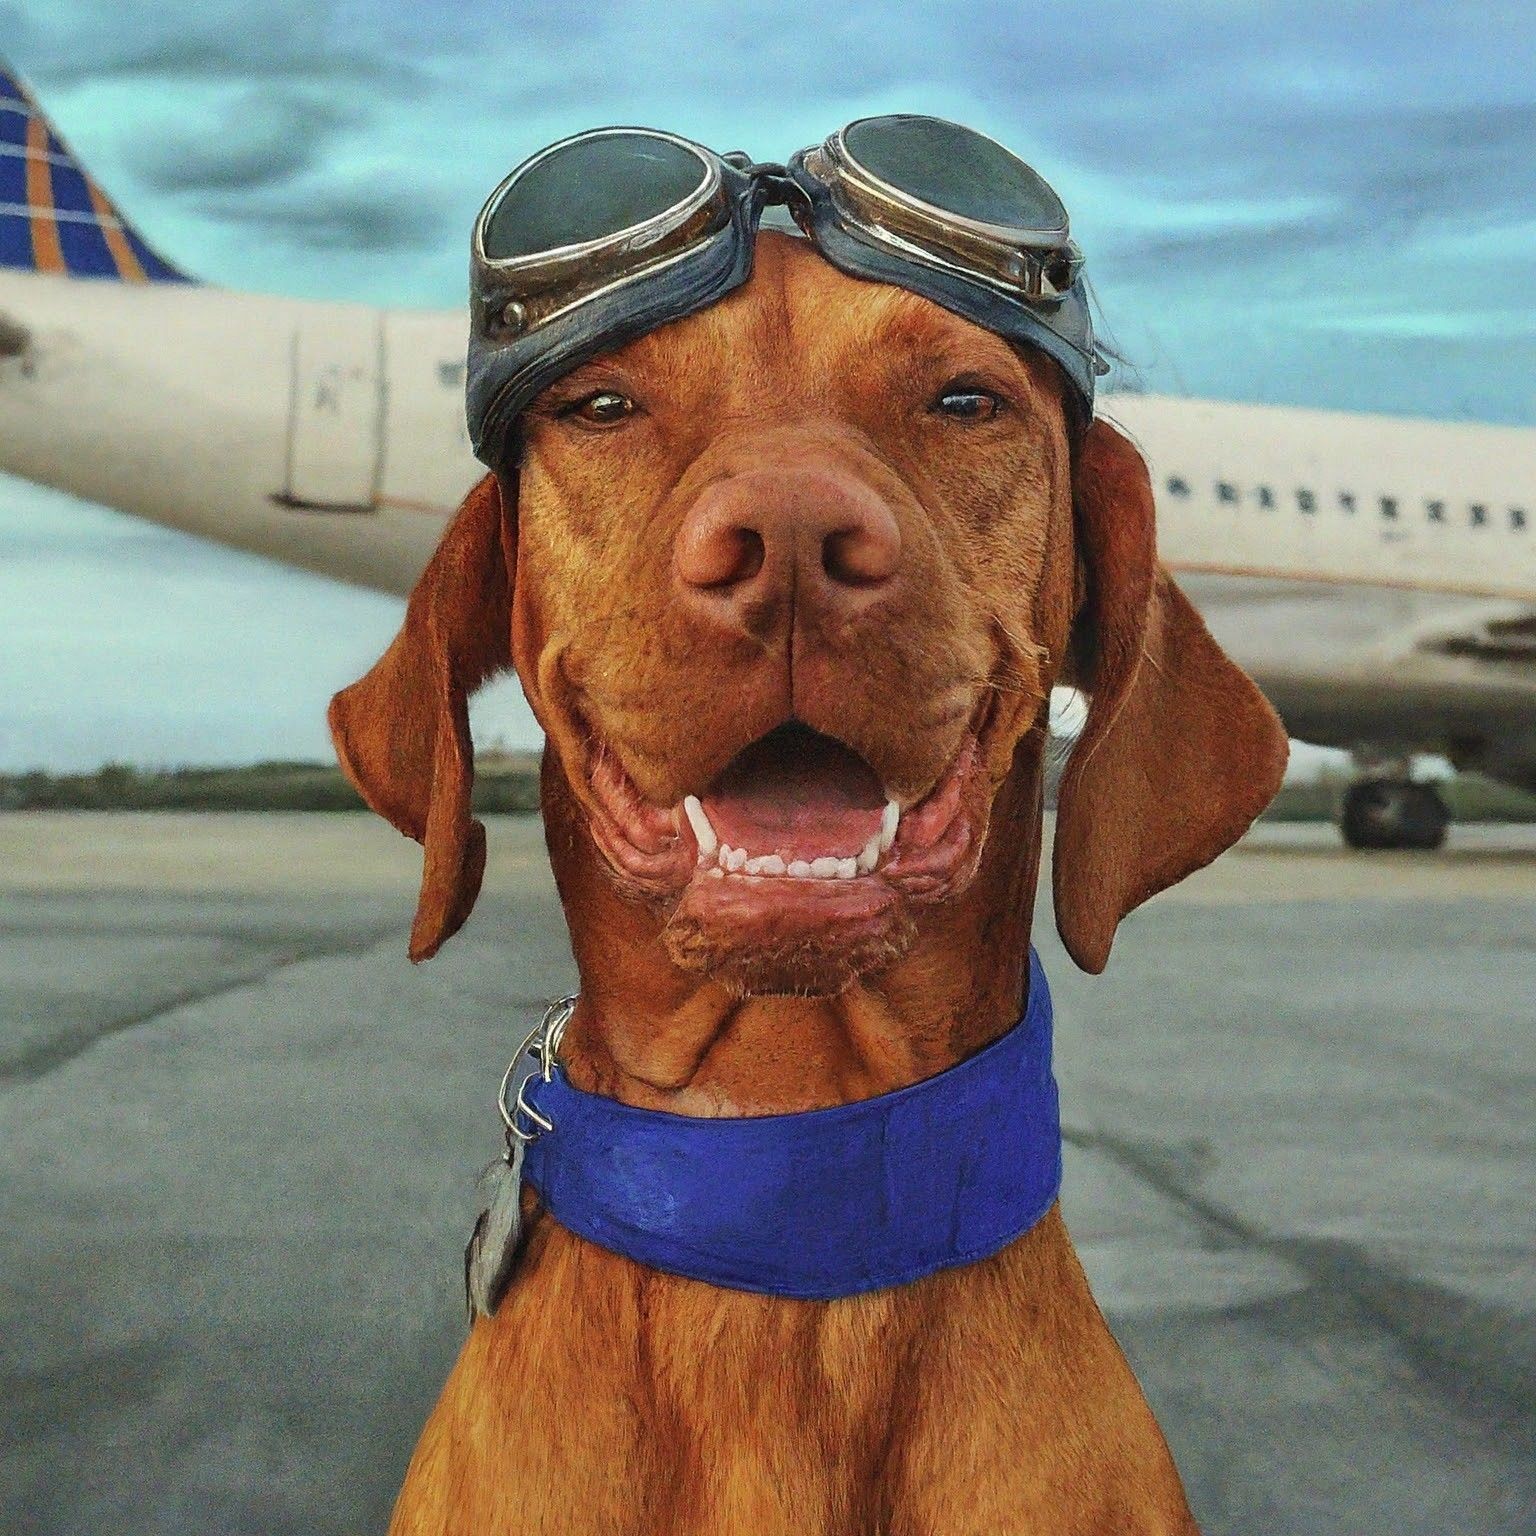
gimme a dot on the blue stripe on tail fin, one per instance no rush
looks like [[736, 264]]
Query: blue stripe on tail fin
[[53, 216]]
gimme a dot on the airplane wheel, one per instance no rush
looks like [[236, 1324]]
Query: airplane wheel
[[1390, 813]]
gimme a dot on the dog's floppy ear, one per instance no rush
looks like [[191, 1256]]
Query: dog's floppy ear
[[1180, 750], [402, 731]]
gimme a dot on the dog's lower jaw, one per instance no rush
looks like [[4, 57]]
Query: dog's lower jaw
[[823, 936], [807, 963]]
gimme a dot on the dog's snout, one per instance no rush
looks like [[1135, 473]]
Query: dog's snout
[[757, 544]]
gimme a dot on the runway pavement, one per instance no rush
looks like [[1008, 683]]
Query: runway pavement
[[239, 1132]]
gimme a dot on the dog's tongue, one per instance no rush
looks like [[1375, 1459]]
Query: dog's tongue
[[796, 793]]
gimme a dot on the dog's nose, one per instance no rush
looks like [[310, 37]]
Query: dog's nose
[[754, 543]]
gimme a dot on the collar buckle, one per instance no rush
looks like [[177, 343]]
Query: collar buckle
[[523, 1121]]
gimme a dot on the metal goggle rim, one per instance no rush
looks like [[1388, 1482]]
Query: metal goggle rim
[[1016, 262], [668, 236], [1040, 264]]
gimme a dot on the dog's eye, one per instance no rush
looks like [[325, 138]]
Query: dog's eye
[[605, 408], [966, 403]]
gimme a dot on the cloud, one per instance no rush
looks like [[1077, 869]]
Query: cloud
[[253, 140], [1461, 320], [1366, 199], [380, 213], [1392, 160], [92, 41], [1178, 257]]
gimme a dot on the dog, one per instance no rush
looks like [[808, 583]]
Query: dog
[[822, 531]]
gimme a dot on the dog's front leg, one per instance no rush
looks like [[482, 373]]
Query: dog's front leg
[[1023, 1415], [542, 1425]]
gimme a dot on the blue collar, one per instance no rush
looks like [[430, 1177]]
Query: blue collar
[[826, 1203]]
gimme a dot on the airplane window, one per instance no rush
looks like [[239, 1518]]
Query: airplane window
[[1225, 491], [1266, 496], [1389, 506], [1306, 501], [1517, 518], [1347, 500], [1177, 486], [1479, 514], [1436, 511]]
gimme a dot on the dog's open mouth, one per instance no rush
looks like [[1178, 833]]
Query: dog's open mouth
[[797, 829], [794, 805]]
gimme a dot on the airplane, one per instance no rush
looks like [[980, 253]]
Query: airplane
[[1376, 575]]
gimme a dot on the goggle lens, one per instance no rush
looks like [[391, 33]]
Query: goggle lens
[[954, 169], [588, 189]]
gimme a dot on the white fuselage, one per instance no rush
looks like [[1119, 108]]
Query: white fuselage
[[1377, 575], [329, 436]]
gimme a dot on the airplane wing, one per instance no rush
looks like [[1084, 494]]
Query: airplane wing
[[1401, 671], [1505, 637]]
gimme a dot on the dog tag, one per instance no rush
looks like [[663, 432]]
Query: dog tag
[[491, 1254]]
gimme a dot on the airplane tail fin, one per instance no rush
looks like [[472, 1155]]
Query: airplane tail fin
[[53, 216]]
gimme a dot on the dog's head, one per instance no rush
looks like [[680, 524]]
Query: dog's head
[[788, 584]]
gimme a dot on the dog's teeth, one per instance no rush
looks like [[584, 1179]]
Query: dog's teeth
[[716, 873], [776, 865], [702, 830], [890, 819]]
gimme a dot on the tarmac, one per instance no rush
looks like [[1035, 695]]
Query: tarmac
[[239, 1134]]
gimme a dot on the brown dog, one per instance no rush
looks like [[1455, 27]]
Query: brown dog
[[823, 532]]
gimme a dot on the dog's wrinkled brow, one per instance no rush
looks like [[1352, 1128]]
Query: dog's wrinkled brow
[[915, 330]]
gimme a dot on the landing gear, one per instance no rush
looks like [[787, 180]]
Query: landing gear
[[1393, 813]]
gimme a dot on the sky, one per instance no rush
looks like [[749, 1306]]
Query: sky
[[1329, 204]]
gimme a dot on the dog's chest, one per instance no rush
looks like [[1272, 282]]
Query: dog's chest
[[606, 1400]]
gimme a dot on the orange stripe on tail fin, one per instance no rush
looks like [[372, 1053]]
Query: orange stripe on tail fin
[[129, 267], [47, 252]]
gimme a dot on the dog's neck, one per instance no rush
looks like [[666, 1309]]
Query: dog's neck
[[660, 1037]]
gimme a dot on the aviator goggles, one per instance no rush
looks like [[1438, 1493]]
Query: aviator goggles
[[611, 233]]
